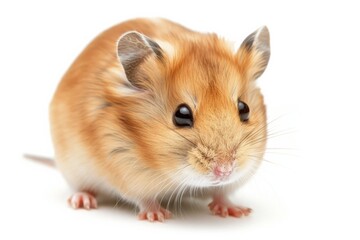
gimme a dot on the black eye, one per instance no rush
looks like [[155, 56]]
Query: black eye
[[183, 116], [244, 111]]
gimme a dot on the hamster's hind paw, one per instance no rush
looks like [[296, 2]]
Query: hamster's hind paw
[[226, 208], [82, 200], [159, 215], [154, 212]]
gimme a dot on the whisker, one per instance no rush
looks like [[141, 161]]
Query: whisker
[[267, 137], [169, 185], [178, 197], [175, 191], [262, 127]]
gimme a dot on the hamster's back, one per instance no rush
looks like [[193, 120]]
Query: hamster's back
[[100, 53]]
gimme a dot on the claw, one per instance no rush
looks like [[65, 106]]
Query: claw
[[154, 212], [82, 200], [223, 207]]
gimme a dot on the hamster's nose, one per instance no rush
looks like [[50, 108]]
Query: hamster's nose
[[223, 170]]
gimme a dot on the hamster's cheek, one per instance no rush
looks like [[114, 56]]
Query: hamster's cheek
[[245, 170]]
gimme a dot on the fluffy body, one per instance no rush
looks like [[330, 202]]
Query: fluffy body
[[113, 129]]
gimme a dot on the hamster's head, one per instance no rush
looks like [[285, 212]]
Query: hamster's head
[[191, 105]]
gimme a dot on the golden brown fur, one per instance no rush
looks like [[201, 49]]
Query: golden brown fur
[[126, 144]]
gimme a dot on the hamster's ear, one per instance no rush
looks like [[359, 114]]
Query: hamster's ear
[[133, 48], [254, 53]]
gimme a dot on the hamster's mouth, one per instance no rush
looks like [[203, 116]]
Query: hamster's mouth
[[192, 178], [222, 180], [189, 176]]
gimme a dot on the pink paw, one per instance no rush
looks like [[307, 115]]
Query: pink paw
[[152, 211], [225, 209], [82, 200]]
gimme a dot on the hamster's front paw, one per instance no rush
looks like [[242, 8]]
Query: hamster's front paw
[[153, 212], [223, 207], [82, 200]]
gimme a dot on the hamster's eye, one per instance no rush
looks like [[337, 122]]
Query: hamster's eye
[[244, 111], [183, 116]]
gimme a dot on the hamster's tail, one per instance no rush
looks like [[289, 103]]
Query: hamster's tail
[[43, 160]]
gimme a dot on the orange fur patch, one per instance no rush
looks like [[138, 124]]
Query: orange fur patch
[[129, 140]]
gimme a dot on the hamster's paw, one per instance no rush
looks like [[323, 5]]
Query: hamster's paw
[[224, 208], [154, 212], [82, 200]]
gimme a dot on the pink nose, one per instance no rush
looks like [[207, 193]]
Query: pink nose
[[222, 170]]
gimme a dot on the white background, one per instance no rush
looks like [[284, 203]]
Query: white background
[[309, 189]]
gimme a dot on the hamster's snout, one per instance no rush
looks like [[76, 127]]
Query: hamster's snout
[[223, 170]]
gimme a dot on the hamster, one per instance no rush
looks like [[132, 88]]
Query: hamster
[[151, 111]]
